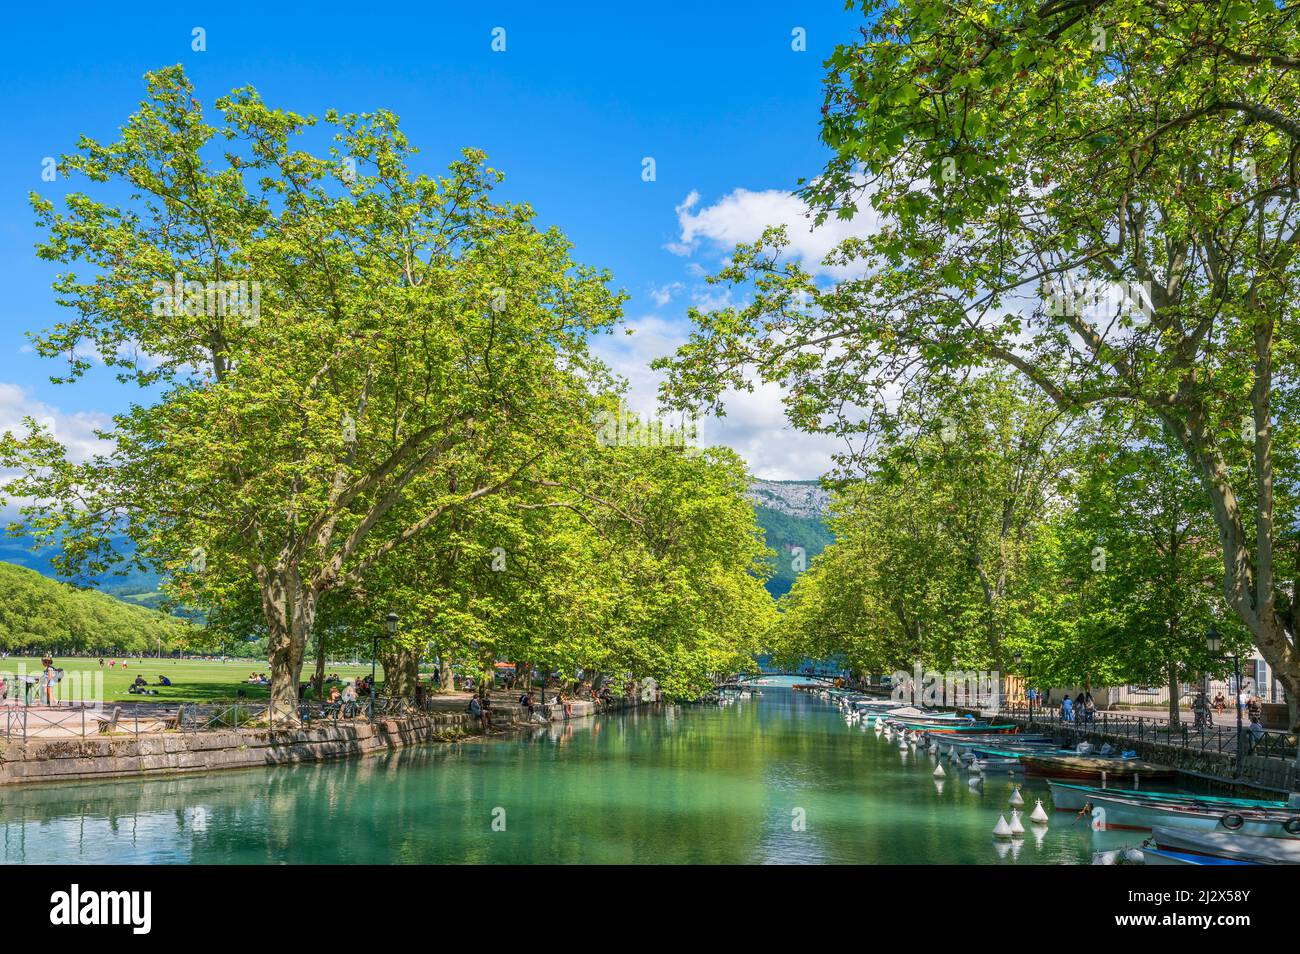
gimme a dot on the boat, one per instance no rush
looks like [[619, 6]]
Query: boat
[[994, 765], [1227, 845], [1111, 810], [1158, 856], [1098, 767], [1069, 797], [953, 725]]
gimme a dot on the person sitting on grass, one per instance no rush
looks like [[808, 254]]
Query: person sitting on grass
[[164, 681]]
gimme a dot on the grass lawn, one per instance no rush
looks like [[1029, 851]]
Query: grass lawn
[[193, 680]]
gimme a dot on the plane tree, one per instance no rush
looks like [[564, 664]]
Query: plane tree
[[335, 354], [1102, 196]]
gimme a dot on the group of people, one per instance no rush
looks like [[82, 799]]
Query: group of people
[[1081, 708], [140, 687]]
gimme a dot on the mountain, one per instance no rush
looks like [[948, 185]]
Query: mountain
[[795, 498], [134, 586], [792, 514], [37, 613]]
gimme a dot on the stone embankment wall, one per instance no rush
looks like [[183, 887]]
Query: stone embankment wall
[[166, 753]]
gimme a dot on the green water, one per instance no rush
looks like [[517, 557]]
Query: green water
[[673, 785]]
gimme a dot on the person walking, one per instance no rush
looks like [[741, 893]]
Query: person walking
[[1067, 709]]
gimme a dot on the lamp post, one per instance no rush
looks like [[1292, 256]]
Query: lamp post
[[390, 627], [1029, 675], [1214, 643]]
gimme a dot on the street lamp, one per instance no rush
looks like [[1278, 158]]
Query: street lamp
[[1029, 675], [1214, 643], [390, 625]]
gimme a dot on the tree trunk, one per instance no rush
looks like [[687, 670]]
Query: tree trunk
[[290, 610], [446, 680], [401, 670], [1173, 692], [319, 678]]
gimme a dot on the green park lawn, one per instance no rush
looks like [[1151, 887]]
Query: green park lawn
[[193, 680]]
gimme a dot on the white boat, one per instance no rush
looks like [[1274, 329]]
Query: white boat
[[1222, 844], [1112, 809]]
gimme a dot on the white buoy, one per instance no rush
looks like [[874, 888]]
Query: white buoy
[[1133, 856], [1002, 829], [1017, 827], [1016, 798], [939, 772], [1038, 816]]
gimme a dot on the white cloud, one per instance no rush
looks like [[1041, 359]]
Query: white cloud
[[75, 430], [663, 294], [742, 215], [755, 426]]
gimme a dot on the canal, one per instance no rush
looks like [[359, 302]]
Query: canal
[[779, 779]]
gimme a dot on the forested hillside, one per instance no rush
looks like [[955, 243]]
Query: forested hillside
[[792, 515], [134, 586], [40, 615]]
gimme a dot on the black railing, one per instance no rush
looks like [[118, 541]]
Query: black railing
[[1266, 753]]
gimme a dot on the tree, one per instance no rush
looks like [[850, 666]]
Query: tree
[[336, 355], [1102, 196]]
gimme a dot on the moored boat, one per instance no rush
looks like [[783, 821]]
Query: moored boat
[[1096, 767], [1223, 844], [1111, 810], [1158, 856], [1068, 797], [955, 727]]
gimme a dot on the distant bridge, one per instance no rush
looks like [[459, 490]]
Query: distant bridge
[[743, 678]]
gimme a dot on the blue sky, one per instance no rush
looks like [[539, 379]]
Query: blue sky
[[720, 100]]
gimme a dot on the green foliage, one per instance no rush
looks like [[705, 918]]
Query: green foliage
[[1100, 196], [400, 385], [44, 615], [782, 532]]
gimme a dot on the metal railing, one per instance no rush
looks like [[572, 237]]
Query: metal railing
[[23, 723], [1268, 753]]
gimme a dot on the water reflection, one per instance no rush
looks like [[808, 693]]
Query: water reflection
[[776, 779]]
